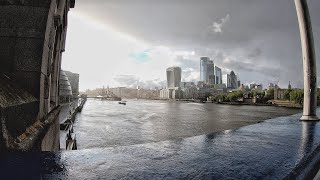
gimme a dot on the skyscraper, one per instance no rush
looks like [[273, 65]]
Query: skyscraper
[[232, 81], [228, 81], [210, 71], [173, 77], [207, 70], [218, 75]]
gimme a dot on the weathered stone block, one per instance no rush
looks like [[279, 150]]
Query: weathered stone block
[[23, 17], [30, 81], [28, 54], [7, 50], [32, 3]]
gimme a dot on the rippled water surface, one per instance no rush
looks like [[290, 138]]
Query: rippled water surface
[[107, 123]]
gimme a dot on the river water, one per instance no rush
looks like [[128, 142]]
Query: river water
[[108, 124]]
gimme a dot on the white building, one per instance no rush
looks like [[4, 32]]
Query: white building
[[165, 94], [173, 93]]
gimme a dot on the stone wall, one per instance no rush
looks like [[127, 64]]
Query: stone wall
[[51, 141], [32, 39]]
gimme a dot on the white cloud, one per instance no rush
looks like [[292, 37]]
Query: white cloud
[[217, 26]]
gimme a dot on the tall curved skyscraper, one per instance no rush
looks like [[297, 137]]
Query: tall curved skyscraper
[[173, 77]]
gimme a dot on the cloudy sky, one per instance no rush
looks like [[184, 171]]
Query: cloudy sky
[[132, 42]]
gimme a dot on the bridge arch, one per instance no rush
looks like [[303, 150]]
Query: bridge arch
[[32, 40]]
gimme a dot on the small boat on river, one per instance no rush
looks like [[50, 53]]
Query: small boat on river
[[122, 102]]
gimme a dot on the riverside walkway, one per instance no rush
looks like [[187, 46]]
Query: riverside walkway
[[278, 148], [73, 107]]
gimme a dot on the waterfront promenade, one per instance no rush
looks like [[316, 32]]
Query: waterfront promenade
[[274, 149], [64, 113], [62, 118]]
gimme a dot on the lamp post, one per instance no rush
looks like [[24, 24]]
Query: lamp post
[[309, 61]]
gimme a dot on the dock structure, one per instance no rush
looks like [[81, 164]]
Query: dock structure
[[72, 116], [67, 125]]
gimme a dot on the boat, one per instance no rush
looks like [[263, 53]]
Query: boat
[[122, 102]]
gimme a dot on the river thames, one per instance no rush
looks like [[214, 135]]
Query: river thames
[[109, 124]]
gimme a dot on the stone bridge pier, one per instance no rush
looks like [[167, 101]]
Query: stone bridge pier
[[32, 40], [309, 62]]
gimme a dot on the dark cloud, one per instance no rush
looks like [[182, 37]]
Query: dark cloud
[[260, 38], [255, 53]]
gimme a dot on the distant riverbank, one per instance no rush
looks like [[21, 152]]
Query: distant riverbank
[[277, 103], [286, 105]]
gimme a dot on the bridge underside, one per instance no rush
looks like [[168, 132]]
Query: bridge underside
[[32, 39]]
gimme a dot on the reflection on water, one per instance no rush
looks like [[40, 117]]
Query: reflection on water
[[307, 138], [107, 123]]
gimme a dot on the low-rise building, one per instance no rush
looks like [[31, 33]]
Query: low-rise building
[[271, 86], [189, 93], [74, 82], [279, 93], [172, 93], [258, 88], [65, 91]]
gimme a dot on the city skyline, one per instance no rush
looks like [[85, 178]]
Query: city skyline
[[125, 48]]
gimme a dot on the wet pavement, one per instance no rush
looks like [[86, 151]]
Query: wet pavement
[[267, 150]]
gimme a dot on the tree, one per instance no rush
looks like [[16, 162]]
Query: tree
[[287, 94], [270, 94], [297, 96], [221, 98], [234, 96]]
